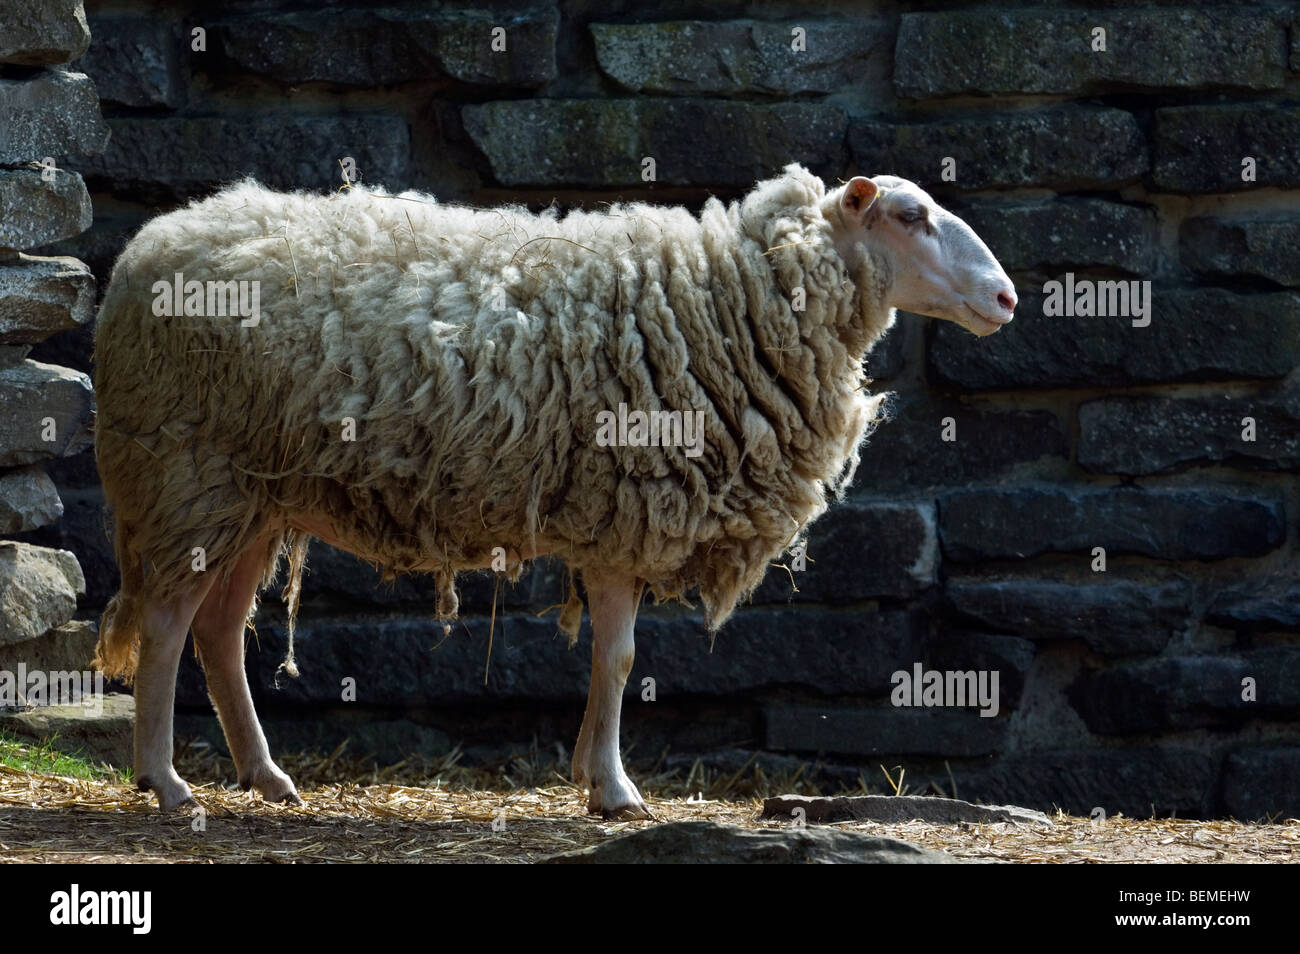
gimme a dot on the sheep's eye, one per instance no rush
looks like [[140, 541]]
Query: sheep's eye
[[913, 215]]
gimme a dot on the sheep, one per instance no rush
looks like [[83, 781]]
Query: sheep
[[424, 385]]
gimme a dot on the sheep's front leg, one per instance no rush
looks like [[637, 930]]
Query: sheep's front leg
[[597, 764], [162, 639]]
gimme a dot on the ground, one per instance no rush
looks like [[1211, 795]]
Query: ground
[[354, 814]]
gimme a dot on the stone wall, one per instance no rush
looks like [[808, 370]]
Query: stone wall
[[1077, 503], [48, 112]]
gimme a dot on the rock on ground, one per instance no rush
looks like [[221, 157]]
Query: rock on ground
[[702, 842], [892, 809], [96, 733]]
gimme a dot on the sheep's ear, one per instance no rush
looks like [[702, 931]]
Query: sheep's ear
[[859, 195]]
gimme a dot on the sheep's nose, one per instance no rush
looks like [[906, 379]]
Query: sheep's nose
[[1007, 299]]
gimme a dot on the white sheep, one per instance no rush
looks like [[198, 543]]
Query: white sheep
[[427, 385]]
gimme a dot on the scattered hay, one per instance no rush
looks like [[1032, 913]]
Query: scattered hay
[[359, 815]]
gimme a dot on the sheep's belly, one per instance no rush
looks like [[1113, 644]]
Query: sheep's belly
[[323, 528]]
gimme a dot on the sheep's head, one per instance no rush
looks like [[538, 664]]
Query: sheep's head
[[935, 263]]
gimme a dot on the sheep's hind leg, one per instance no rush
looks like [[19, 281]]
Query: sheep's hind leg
[[219, 638], [596, 760], [162, 639]]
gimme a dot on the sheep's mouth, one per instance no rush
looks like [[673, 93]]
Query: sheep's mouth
[[982, 324]]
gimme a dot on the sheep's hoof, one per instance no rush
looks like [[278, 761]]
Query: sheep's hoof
[[188, 804], [173, 794], [637, 812], [617, 800], [273, 785]]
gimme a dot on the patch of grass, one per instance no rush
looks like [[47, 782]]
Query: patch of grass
[[28, 756]]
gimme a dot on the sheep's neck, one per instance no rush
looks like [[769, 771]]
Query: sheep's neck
[[824, 367], [871, 316]]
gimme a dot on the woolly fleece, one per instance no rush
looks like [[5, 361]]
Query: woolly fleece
[[474, 349]]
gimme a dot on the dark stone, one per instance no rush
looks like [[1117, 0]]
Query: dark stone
[[134, 61], [896, 810], [875, 731], [83, 530], [1276, 671], [705, 842], [1269, 604], [30, 392], [53, 113], [1256, 248], [860, 551], [42, 296], [1162, 694], [168, 159], [1259, 784], [602, 142], [829, 651], [99, 247], [464, 53], [28, 499], [1203, 334], [722, 761], [909, 453], [386, 741], [72, 348], [1064, 233], [730, 57], [404, 661], [1018, 524], [1138, 782], [1026, 148], [37, 207], [1050, 51], [66, 648], [358, 734], [382, 47], [74, 473], [688, 726], [1112, 618], [42, 32], [1132, 434], [38, 590], [1201, 148], [1009, 656], [886, 360], [1174, 693]]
